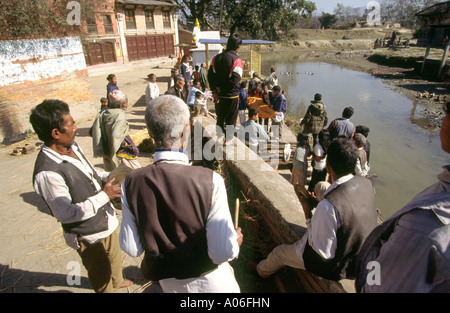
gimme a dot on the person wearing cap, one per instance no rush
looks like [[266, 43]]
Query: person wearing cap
[[315, 119], [409, 252], [78, 196]]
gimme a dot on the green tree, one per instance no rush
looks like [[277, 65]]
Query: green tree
[[404, 11], [265, 19], [328, 20], [31, 19]]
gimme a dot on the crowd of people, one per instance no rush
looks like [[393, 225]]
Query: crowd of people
[[178, 217]]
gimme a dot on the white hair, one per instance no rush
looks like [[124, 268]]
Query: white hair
[[165, 117], [117, 98]]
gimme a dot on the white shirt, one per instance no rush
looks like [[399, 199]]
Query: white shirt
[[322, 230], [151, 92], [220, 233], [318, 151], [52, 187]]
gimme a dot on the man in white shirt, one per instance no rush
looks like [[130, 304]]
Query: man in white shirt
[[341, 222], [152, 89], [178, 214], [75, 194]]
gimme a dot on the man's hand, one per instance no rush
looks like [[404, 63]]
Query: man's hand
[[112, 190], [240, 237]]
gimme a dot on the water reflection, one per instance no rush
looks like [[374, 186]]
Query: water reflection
[[404, 158]]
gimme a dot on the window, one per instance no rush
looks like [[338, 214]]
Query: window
[[149, 22], [91, 25], [107, 23], [130, 19], [166, 19]]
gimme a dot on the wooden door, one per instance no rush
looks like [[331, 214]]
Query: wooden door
[[95, 53], [168, 45], [142, 48], [132, 48], [108, 52], [151, 46], [160, 49]]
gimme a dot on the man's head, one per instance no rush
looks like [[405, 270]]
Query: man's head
[[179, 81], [174, 72], [317, 97], [348, 112], [104, 101], [276, 90], [253, 114], [166, 118], [118, 99], [342, 156], [51, 120], [234, 42]]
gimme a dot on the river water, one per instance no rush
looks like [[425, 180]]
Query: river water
[[404, 158]]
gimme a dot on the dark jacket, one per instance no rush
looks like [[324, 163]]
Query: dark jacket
[[225, 73], [171, 204], [175, 92], [355, 203], [315, 119], [80, 188]]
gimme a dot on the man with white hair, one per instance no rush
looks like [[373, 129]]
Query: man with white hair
[[178, 214], [110, 135]]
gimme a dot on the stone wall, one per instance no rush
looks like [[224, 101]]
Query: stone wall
[[34, 70]]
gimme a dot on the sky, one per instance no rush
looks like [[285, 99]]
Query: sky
[[328, 6]]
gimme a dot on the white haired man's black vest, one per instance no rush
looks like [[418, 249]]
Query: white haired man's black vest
[[80, 188], [355, 202], [171, 204]]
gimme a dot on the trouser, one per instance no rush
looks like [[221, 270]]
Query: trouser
[[316, 177], [283, 255], [103, 262], [227, 112], [280, 127]]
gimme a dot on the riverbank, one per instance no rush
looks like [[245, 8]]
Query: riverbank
[[354, 50]]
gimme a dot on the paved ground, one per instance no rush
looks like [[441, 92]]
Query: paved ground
[[33, 254]]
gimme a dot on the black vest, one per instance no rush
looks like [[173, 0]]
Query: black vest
[[355, 203], [171, 204], [80, 189]]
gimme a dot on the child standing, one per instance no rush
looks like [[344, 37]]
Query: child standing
[[300, 161], [243, 103], [200, 104]]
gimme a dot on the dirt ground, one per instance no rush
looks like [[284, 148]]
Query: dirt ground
[[34, 257]]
